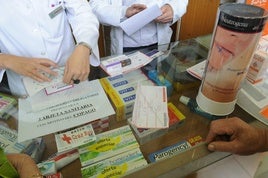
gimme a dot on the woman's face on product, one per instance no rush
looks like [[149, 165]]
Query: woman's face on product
[[228, 46], [232, 43]]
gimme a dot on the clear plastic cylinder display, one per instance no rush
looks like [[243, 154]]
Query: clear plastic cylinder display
[[237, 31]]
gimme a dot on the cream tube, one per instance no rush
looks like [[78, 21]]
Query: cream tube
[[64, 158]]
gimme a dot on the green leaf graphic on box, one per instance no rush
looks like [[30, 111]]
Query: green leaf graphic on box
[[88, 156], [103, 145]]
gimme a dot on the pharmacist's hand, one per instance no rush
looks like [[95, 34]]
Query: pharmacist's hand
[[167, 14], [77, 66], [25, 165], [35, 68], [134, 9], [235, 136]]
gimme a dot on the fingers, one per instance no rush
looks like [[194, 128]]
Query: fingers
[[77, 66], [72, 76], [39, 77], [167, 14], [37, 68], [41, 70], [134, 9], [219, 128], [221, 146], [45, 73], [139, 7], [235, 147], [235, 136], [222, 135], [24, 164], [47, 63], [227, 135]]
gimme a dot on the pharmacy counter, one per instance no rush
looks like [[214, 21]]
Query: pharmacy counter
[[179, 56]]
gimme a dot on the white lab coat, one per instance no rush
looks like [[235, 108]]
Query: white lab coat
[[26, 29], [110, 12]]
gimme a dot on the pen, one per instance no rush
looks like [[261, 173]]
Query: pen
[[191, 103]]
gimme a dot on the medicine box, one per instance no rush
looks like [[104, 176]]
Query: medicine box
[[144, 135], [9, 141], [116, 166], [257, 67], [177, 148], [108, 144], [121, 90], [76, 137], [8, 106]]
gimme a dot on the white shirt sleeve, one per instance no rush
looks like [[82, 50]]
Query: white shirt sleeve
[[179, 8], [84, 24], [108, 13]]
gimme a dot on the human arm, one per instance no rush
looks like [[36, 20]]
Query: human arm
[[172, 11], [30, 67], [134, 9], [236, 136], [25, 165], [18, 165], [77, 66], [167, 14], [85, 28], [112, 12], [108, 13]]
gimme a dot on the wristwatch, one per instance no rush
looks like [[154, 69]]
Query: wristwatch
[[86, 45]]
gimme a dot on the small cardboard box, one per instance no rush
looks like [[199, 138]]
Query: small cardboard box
[[257, 67]]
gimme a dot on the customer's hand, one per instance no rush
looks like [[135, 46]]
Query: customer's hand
[[167, 14], [236, 136], [25, 165], [134, 9]]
